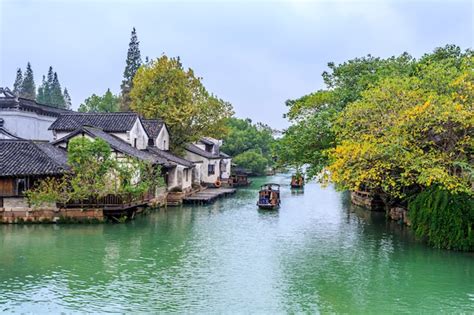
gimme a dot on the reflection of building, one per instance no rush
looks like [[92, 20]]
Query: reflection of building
[[25, 118]]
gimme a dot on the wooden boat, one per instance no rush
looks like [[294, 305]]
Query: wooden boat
[[297, 181], [269, 196]]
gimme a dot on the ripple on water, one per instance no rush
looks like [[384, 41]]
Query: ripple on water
[[316, 254]]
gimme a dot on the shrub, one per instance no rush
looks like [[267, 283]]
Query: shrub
[[444, 218]]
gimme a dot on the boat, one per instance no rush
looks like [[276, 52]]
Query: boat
[[269, 196], [297, 181]]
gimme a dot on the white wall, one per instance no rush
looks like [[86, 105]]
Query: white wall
[[205, 178], [137, 132], [162, 142], [27, 125], [226, 168]]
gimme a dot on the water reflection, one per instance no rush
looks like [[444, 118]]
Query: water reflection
[[317, 253]]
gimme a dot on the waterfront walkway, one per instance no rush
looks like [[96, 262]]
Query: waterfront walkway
[[208, 195]]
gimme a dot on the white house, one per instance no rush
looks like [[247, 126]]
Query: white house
[[26, 119], [124, 125], [178, 176], [214, 165]]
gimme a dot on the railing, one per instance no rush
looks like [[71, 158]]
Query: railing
[[108, 201]]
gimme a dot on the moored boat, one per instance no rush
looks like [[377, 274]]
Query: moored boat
[[269, 196]]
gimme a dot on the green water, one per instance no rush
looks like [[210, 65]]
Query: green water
[[317, 254]]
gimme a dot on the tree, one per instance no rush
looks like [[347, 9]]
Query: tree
[[409, 133], [41, 96], [28, 88], [108, 103], [67, 99], [163, 89], [133, 63], [244, 136], [252, 160], [95, 173], [57, 98], [18, 82]]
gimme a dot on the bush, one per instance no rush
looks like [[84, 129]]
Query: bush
[[445, 219]]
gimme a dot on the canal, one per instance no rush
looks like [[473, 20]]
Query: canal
[[316, 254]]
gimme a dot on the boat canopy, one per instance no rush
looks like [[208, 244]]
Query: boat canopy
[[270, 185]]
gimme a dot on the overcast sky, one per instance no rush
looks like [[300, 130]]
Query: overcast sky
[[254, 54]]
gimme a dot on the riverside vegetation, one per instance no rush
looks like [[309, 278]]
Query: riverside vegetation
[[401, 127]]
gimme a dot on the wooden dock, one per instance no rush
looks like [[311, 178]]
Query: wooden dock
[[208, 195]]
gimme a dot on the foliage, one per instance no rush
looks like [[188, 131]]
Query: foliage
[[409, 132], [18, 82], [446, 219], [305, 143], [67, 99], [50, 93], [95, 173], [28, 87], [163, 89], [107, 103], [313, 115], [133, 63], [243, 135], [252, 160]]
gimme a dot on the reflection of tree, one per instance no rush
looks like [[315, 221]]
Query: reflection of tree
[[94, 264], [372, 265]]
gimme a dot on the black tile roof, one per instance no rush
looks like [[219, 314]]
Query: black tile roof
[[207, 141], [196, 150], [152, 127], [115, 143], [27, 157], [24, 104], [108, 122], [170, 157], [5, 134]]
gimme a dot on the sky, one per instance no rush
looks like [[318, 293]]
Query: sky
[[254, 54]]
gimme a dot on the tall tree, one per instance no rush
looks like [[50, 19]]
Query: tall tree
[[57, 98], [163, 89], [28, 88], [40, 97], [108, 103], [133, 63], [67, 99], [48, 86], [18, 82]]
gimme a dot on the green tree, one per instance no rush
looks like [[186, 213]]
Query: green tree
[[252, 160], [57, 98], [95, 173], [163, 89], [41, 96], [67, 99], [18, 82], [108, 103], [28, 88], [245, 136], [133, 63]]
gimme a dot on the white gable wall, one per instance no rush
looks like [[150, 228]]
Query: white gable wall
[[162, 142]]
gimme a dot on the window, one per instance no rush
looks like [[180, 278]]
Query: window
[[135, 142], [210, 169], [187, 174], [164, 144]]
